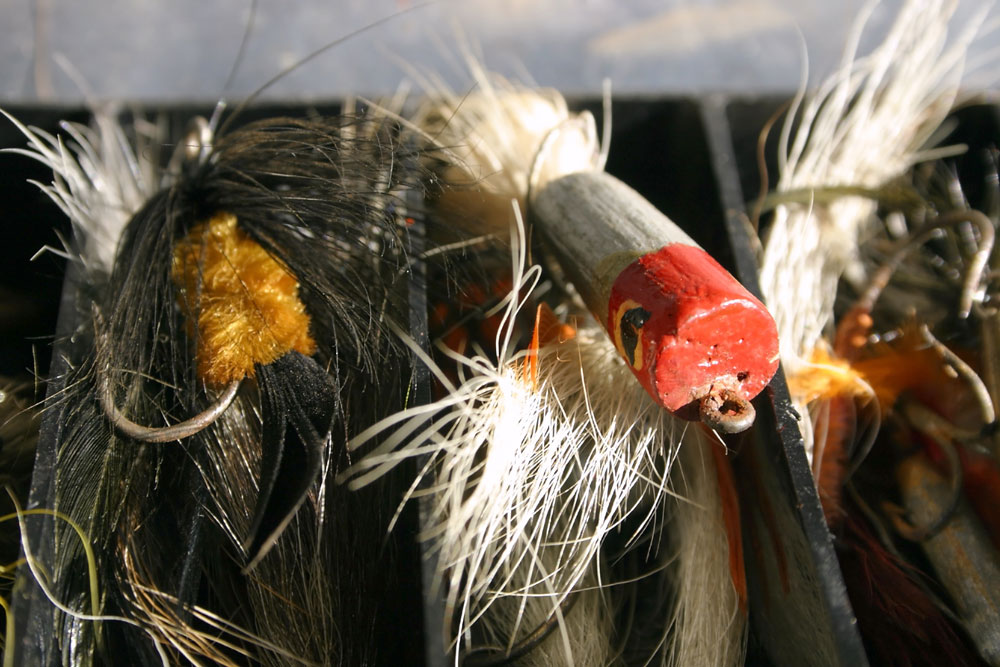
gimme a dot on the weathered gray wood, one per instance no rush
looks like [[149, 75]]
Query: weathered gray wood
[[597, 225], [960, 552]]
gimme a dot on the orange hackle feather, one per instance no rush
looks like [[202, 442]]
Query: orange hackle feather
[[731, 519], [833, 384], [830, 460], [246, 303], [530, 368], [899, 622], [826, 375], [910, 365], [548, 329], [907, 365]]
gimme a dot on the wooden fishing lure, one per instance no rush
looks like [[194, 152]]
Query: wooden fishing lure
[[697, 340], [540, 460]]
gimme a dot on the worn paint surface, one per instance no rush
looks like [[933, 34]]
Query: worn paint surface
[[684, 324]]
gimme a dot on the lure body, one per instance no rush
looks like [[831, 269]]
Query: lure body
[[686, 327], [246, 303]]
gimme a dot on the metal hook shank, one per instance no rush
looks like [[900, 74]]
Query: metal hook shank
[[178, 431]]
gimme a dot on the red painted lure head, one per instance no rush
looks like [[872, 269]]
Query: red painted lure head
[[688, 329]]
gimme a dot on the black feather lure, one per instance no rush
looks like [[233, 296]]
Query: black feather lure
[[207, 392]]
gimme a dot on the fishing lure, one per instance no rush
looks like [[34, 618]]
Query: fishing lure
[[548, 466], [858, 391], [843, 142], [699, 342], [214, 377], [696, 339], [519, 521]]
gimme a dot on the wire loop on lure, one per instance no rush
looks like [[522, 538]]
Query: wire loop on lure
[[178, 431], [726, 410]]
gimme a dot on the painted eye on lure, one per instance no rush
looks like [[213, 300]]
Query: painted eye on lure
[[627, 325], [697, 340]]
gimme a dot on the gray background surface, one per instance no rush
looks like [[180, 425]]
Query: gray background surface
[[182, 50]]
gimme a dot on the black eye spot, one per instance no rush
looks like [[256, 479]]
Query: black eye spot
[[632, 320], [740, 377]]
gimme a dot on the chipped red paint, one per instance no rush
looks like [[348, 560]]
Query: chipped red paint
[[703, 328]]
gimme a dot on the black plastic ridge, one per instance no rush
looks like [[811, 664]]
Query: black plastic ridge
[[791, 463], [32, 610], [433, 610]]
